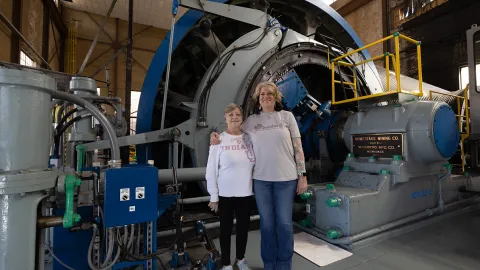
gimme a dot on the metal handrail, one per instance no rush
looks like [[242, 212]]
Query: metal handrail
[[395, 57]]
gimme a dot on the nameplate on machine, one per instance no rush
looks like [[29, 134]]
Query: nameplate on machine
[[379, 145]]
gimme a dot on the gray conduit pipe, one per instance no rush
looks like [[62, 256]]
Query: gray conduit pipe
[[96, 113], [183, 175], [207, 226], [194, 200], [348, 240], [101, 98]]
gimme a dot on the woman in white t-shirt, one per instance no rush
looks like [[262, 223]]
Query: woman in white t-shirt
[[278, 175], [229, 182]]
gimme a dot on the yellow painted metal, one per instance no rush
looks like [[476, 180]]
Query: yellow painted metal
[[354, 85], [409, 39], [387, 69], [363, 48], [365, 97], [467, 109], [333, 82], [459, 116], [420, 77], [395, 57], [369, 60], [345, 63], [72, 48], [347, 83], [397, 63]]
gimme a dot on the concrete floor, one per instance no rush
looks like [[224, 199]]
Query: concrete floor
[[450, 244]]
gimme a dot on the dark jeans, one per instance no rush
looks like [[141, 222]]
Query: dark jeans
[[275, 206], [227, 206]]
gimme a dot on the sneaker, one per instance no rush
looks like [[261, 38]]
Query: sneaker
[[227, 268], [243, 265]]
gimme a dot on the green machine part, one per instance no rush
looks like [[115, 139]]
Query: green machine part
[[70, 217]]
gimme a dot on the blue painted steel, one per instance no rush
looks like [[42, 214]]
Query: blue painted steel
[[422, 193], [71, 247], [123, 265], [310, 126], [174, 7], [154, 75], [445, 131], [292, 89], [164, 202], [153, 225], [134, 209], [159, 62], [309, 123], [325, 107]]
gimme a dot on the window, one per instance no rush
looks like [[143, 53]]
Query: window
[[328, 2], [134, 99], [464, 79], [412, 7], [26, 61]]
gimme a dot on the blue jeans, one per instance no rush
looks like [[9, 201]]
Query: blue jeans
[[275, 206]]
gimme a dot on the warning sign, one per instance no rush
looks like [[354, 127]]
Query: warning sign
[[378, 145]]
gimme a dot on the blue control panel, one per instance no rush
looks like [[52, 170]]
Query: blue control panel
[[131, 195]]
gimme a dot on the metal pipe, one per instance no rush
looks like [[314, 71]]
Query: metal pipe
[[182, 155], [175, 154], [170, 150], [96, 37], [167, 80], [348, 240], [13, 29], [184, 175], [48, 222], [96, 113], [101, 98], [194, 200], [207, 226]]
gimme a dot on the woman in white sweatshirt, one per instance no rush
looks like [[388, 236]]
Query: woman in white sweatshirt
[[229, 182]]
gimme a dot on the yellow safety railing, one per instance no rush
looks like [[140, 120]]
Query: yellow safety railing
[[394, 57], [460, 116]]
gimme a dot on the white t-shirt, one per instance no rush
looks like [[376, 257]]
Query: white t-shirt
[[272, 135], [229, 167]]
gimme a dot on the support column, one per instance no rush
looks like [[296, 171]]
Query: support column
[[15, 39], [128, 81], [45, 33]]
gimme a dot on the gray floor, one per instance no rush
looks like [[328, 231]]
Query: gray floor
[[450, 244]]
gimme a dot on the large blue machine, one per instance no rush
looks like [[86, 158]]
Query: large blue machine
[[386, 159]]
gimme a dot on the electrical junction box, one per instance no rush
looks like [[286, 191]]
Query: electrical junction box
[[131, 195]]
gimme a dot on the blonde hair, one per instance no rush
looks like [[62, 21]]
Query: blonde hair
[[231, 107], [276, 93]]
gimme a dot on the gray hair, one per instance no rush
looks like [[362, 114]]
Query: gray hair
[[231, 107]]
